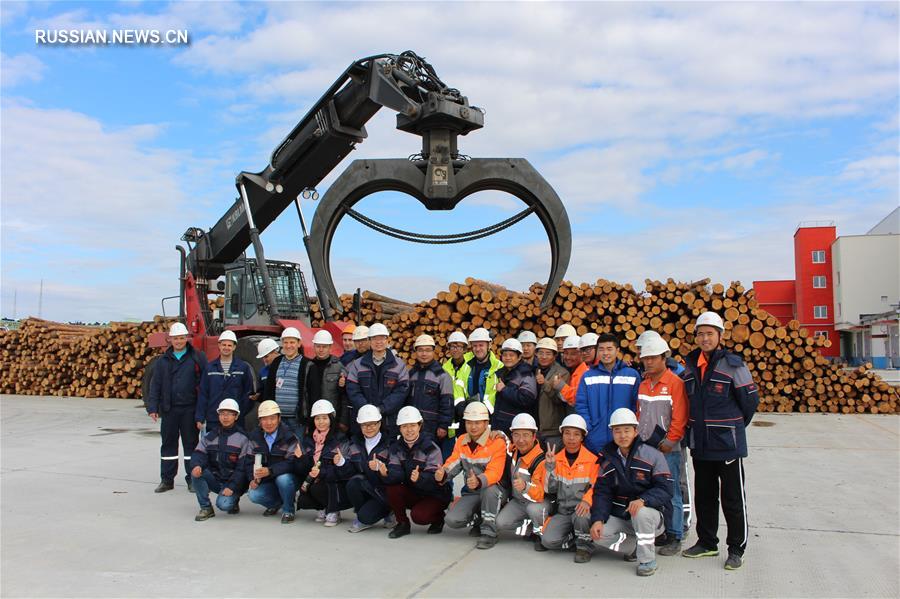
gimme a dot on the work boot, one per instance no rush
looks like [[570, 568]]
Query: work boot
[[205, 514], [164, 485], [647, 569], [270, 511], [436, 528], [582, 556], [486, 542], [699, 550], [631, 557], [475, 531], [287, 518], [662, 540], [734, 561], [673, 548], [236, 509], [538, 543], [401, 530]]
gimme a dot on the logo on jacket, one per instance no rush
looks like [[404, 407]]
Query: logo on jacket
[[719, 388], [232, 457], [639, 475], [390, 382]]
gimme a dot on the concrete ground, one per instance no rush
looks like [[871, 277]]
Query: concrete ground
[[79, 518]]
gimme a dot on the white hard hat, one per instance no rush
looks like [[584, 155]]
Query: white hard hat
[[711, 319], [527, 337], [573, 342], [646, 336], [423, 341], [322, 406], [266, 347], [622, 416], [574, 421], [229, 404], [323, 337], [368, 413], [654, 347], [409, 415], [228, 336], [523, 421], [565, 330], [588, 340], [547, 343], [476, 410], [378, 330], [511, 345], [177, 329], [268, 408], [480, 334], [361, 332], [457, 337], [291, 332]]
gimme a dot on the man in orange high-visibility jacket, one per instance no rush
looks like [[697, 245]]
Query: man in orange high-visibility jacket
[[571, 475], [481, 456], [573, 361]]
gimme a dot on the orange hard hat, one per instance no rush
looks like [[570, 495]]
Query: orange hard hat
[[349, 329]]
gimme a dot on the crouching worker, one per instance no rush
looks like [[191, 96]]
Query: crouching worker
[[632, 494], [322, 488], [219, 463], [570, 476], [527, 509], [273, 483], [481, 457], [409, 477], [362, 458]]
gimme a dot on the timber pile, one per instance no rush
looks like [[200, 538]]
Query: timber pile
[[784, 360], [49, 358]]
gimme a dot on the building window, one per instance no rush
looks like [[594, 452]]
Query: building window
[[823, 334], [819, 282], [820, 311], [818, 256], [884, 298]]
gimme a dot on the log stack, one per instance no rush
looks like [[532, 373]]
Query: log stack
[[49, 358]]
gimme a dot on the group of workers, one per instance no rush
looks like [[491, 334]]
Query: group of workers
[[558, 440]]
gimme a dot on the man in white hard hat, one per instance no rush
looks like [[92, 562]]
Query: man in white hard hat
[[588, 346], [283, 385], [430, 390], [662, 416], [226, 376], [527, 508], [671, 363], [220, 463], [562, 333], [550, 377], [453, 365], [632, 493], [380, 379], [723, 399], [173, 397], [480, 371], [571, 472], [266, 350], [606, 386], [574, 363], [271, 473], [481, 457], [321, 380], [529, 346], [361, 340], [516, 387]]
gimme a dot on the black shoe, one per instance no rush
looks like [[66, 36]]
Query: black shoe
[[582, 556], [486, 542], [287, 518], [271, 511], [164, 485], [631, 557], [236, 509], [436, 528], [538, 544], [401, 530], [734, 561], [475, 531], [190, 485], [662, 540], [672, 548], [699, 550], [205, 514]]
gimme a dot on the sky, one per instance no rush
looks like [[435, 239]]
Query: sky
[[686, 140]]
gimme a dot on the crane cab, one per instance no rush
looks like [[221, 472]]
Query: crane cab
[[245, 302]]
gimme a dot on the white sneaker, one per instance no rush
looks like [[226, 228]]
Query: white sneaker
[[333, 519], [320, 516], [358, 526]]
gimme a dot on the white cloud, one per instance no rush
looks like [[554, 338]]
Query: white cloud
[[875, 171], [20, 68]]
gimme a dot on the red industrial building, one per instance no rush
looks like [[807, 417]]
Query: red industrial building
[[808, 298]]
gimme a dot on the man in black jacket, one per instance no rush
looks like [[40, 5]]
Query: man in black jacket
[[173, 399], [272, 481]]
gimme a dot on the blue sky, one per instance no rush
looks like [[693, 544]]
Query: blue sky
[[687, 140]]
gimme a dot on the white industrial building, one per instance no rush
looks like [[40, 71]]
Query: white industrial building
[[866, 275]]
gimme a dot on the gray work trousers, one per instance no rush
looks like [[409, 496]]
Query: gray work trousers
[[464, 510], [645, 528], [562, 529], [517, 515]]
